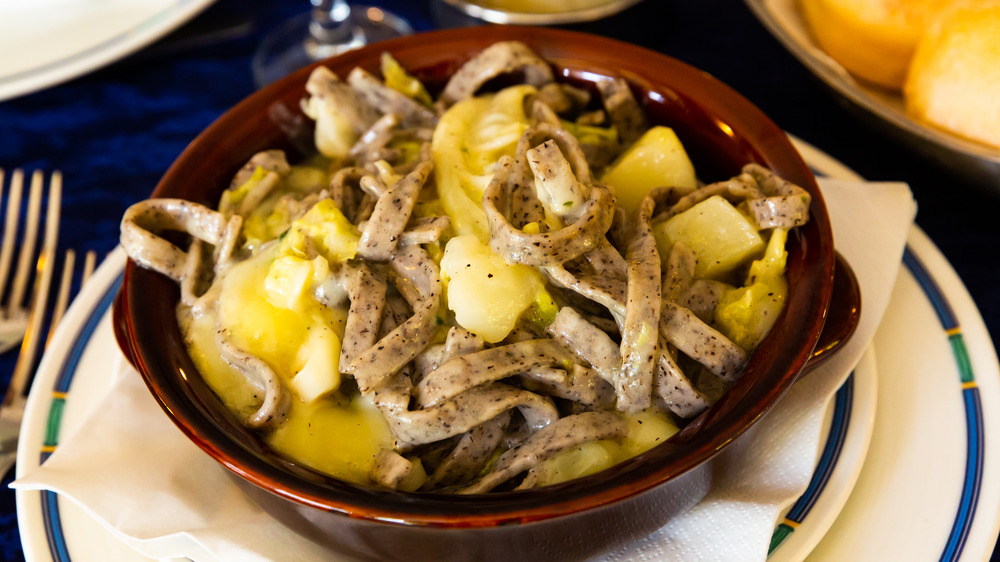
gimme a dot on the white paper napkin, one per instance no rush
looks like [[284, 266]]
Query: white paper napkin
[[143, 479]]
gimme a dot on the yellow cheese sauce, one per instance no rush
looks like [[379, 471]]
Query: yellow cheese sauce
[[333, 434], [338, 437]]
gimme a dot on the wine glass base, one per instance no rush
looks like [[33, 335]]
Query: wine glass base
[[292, 46]]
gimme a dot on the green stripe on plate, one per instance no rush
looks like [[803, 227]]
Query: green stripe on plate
[[52, 425], [781, 533], [962, 357]]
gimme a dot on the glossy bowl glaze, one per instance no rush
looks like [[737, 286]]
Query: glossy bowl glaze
[[722, 132]]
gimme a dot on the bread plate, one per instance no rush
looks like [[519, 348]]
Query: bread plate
[[976, 163]]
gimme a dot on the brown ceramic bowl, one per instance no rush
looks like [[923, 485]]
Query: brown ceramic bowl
[[722, 132]]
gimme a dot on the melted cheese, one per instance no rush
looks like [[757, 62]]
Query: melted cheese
[[332, 434]]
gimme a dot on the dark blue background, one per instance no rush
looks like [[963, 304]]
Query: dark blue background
[[115, 131]]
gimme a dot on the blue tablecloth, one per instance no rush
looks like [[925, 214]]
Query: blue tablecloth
[[115, 131]]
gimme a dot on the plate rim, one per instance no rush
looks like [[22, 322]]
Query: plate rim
[[39, 407], [796, 535], [918, 251]]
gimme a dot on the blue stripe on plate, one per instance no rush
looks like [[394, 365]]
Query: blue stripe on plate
[[973, 477], [50, 512], [836, 436], [80, 344], [50, 504], [944, 312], [831, 452], [973, 409]]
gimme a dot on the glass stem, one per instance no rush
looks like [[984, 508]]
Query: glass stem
[[329, 17]]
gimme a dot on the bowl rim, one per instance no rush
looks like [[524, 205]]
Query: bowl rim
[[619, 483]]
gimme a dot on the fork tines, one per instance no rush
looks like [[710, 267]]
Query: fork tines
[[27, 359], [13, 284]]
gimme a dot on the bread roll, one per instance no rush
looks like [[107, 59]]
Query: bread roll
[[954, 79], [872, 39]]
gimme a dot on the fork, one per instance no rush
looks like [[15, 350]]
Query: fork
[[14, 401], [14, 312], [17, 321]]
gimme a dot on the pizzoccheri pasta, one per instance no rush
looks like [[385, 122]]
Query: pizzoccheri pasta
[[490, 291]]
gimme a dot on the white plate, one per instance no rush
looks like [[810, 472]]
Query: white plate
[[977, 162], [52, 529], [930, 486], [56, 40]]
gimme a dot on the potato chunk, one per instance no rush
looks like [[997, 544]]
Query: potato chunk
[[290, 279], [323, 230], [657, 159], [486, 294], [720, 236], [320, 373]]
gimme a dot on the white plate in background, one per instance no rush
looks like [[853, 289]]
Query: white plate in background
[[46, 42]]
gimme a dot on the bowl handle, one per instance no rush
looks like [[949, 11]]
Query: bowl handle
[[842, 315]]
